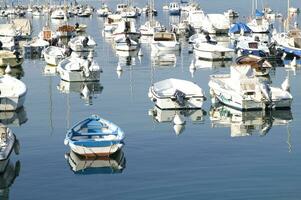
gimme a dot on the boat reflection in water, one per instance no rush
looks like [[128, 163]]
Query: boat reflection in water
[[49, 70], [164, 60], [177, 117], [9, 172], [245, 123], [87, 90], [9, 169], [16, 72], [115, 163], [13, 118]]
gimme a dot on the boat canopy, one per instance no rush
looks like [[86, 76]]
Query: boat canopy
[[259, 13], [238, 27]]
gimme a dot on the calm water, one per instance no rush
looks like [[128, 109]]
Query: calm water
[[203, 162]]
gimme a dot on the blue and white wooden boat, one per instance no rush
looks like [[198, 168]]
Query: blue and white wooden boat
[[252, 45], [95, 136]]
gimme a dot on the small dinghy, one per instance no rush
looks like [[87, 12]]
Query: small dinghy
[[78, 69], [260, 66], [7, 142], [176, 94], [82, 43], [95, 136], [13, 92], [53, 55]]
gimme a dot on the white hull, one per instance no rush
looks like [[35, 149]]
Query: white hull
[[78, 76], [213, 55], [94, 151], [165, 46], [52, 60]]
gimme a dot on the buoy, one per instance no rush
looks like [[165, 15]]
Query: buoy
[[286, 85], [294, 62], [7, 69], [85, 92], [178, 120], [178, 129], [140, 53]]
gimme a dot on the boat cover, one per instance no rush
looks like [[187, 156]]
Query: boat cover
[[237, 27]]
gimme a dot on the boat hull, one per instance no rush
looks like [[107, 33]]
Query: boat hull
[[12, 103], [213, 56], [78, 76], [95, 151], [167, 103]]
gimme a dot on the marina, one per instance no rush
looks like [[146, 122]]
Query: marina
[[150, 99]]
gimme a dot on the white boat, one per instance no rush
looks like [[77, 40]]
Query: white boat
[[126, 28], [215, 24], [242, 90], [195, 19], [126, 44], [101, 165], [78, 69], [53, 55], [9, 36], [174, 8], [111, 23], [150, 27], [199, 37], [13, 59], [252, 45], [290, 42], [103, 11], [95, 136], [13, 92], [246, 123], [212, 51], [58, 14], [7, 142], [165, 41], [82, 44], [259, 25], [176, 94], [231, 13], [37, 13], [23, 27]]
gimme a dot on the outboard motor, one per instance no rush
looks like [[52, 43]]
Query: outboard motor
[[17, 54], [266, 91], [128, 41], [180, 97], [76, 25], [85, 41]]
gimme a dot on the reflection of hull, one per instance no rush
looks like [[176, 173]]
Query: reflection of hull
[[178, 117], [7, 142], [15, 118], [77, 87], [168, 115], [7, 178], [164, 59], [95, 151], [211, 64], [244, 123], [101, 165], [16, 72]]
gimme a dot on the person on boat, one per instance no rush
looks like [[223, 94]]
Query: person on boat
[[76, 25]]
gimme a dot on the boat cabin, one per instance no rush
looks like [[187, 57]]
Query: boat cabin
[[164, 36]]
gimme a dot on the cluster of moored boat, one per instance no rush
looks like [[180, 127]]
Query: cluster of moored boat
[[243, 88]]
